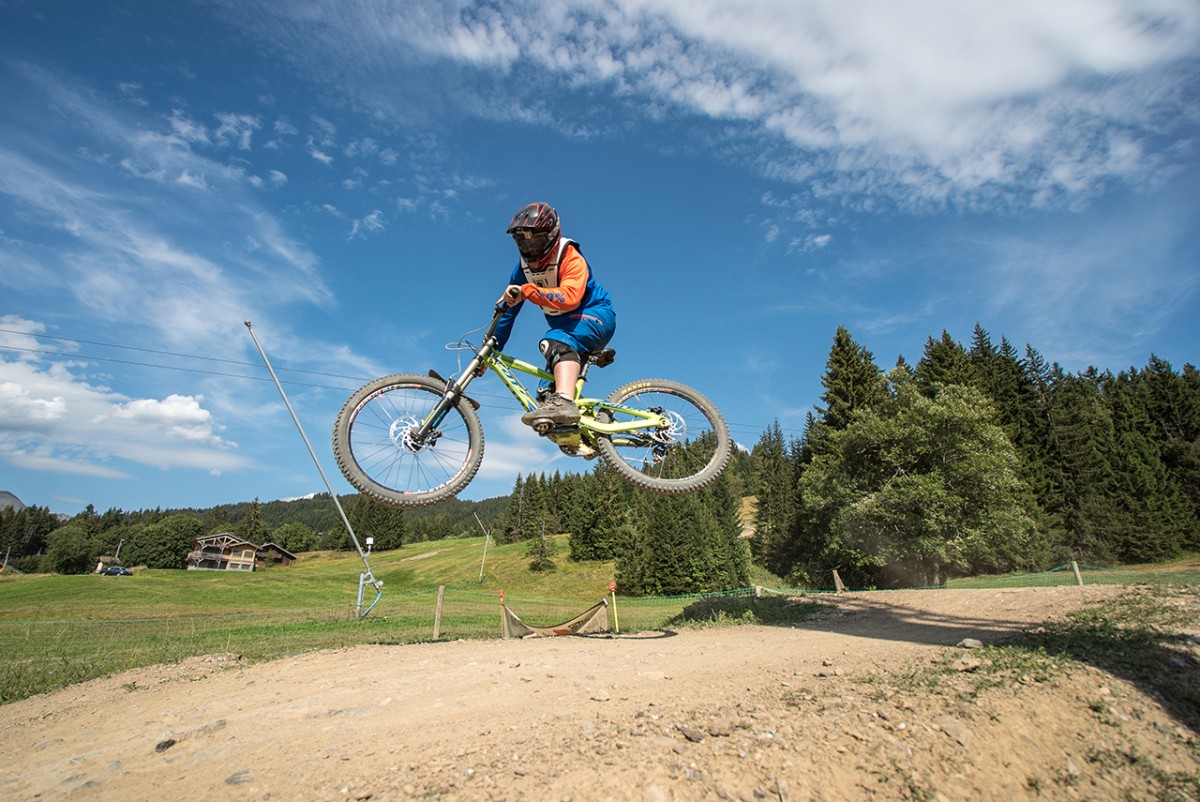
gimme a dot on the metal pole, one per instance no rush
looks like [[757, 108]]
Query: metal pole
[[368, 575], [486, 537]]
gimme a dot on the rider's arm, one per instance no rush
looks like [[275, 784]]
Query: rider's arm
[[572, 283], [505, 324]]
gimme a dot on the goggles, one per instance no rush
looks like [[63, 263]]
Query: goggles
[[532, 244]]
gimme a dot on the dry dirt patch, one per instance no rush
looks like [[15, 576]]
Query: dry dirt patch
[[826, 711]]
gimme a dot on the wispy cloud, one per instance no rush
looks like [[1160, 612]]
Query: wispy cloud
[[922, 103], [135, 229], [372, 223]]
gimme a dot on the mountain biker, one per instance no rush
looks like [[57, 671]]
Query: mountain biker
[[553, 274]]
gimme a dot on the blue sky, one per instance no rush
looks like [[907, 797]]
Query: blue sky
[[743, 176]]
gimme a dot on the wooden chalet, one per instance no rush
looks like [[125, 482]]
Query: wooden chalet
[[228, 552], [273, 554], [222, 552]]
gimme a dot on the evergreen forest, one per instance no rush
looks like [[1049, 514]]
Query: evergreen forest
[[979, 459]]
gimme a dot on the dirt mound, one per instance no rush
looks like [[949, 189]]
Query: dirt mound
[[843, 707]]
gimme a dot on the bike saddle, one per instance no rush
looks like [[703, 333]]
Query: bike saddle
[[602, 359]]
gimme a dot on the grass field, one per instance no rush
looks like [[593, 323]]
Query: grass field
[[57, 630]]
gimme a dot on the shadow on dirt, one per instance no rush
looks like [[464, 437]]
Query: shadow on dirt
[[1146, 636]]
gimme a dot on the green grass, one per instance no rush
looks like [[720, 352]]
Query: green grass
[[58, 630], [1184, 570], [320, 580]]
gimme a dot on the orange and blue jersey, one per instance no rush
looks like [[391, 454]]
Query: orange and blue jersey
[[577, 308]]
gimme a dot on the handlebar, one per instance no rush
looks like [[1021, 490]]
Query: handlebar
[[501, 308]]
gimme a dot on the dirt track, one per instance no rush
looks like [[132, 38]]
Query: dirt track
[[819, 712]]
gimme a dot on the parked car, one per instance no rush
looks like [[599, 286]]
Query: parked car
[[116, 570]]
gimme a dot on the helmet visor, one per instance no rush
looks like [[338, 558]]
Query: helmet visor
[[533, 244]]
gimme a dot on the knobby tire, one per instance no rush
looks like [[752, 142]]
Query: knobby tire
[[374, 456], [690, 456]]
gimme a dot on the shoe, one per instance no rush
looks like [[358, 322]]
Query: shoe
[[555, 409]]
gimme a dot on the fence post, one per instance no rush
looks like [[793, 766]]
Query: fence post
[[612, 589], [837, 582], [437, 615], [503, 618], [1078, 576]]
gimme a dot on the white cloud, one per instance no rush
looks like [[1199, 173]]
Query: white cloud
[[58, 419], [372, 223], [188, 179], [176, 417], [318, 154], [236, 129], [924, 102], [187, 131], [283, 127]]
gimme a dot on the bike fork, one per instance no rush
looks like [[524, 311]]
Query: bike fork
[[454, 391]]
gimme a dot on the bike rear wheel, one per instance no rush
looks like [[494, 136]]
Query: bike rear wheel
[[687, 454], [374, 449]]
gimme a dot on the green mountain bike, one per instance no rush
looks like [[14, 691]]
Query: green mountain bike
[[412, 440]]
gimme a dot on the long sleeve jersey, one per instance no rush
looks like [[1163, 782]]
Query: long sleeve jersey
[[565, 286]]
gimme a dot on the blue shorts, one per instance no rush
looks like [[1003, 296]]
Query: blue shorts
[[586, 330]]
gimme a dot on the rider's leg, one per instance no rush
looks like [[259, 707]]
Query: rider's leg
[[566, 374], [563, 362]]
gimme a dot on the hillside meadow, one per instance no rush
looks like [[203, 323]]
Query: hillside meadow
[[58, 630]]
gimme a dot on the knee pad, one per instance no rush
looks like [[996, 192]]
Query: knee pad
[[557, 351]]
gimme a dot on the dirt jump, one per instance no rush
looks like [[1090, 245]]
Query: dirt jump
[[842, 707]]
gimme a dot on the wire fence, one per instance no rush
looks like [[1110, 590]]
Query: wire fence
[[39, 656], [1076, 574]]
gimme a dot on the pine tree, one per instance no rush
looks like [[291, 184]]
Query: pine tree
[[774, 517], [944, 363], [1174, 409], [601, 511], [852, 381], [251, 527], [540, 552], [516, 519], [729, 552], [1158, 512], [1081, 448]]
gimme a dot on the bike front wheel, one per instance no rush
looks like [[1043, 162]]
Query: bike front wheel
[[686, 454], [375, 449]]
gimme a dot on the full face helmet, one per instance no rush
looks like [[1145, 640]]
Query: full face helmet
[[535, 229]]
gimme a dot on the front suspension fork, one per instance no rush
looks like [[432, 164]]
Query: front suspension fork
[[455, 388]]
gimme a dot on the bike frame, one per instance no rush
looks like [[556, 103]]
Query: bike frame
[[504, 365]]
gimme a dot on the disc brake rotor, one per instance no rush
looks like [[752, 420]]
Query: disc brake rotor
[[673, 432], [400, 433]]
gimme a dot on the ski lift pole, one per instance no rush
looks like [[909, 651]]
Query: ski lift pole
[[367, 575], [486, 537]]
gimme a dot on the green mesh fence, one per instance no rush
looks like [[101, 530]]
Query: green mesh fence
[[1088, 575]]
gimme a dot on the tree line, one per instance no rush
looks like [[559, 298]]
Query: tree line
[[978, 459], [36, 540]]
